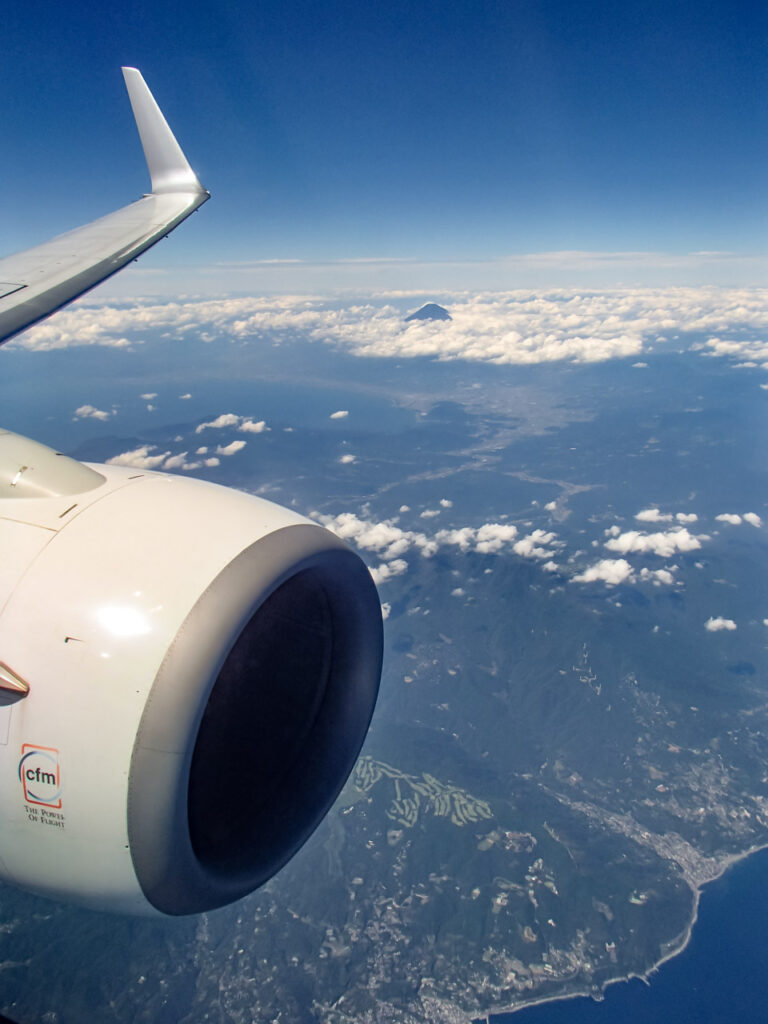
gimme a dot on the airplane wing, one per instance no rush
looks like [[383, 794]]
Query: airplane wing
[[36, 282]]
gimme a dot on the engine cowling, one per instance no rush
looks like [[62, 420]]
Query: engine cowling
[[189, 673]]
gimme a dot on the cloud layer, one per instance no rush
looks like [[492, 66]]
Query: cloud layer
[[499, 327], [389, 542]]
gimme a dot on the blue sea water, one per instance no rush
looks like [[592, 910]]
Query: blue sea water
[[721, 976]]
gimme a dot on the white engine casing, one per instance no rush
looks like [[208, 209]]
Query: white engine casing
[[202, 668]]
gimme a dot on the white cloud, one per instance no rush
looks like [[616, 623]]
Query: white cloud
[[231, 449], [713, 625], [458, 592], [492, 537], [340, 414], [91, 412], [729, 517], [430, 513], [659, 576], [176, 461], [249, 427], [530, 546], [347, 459], [663, 544], [748, 352], [149, 396], [517, 327], [652, 515], [226, 419], [213, 461], [185, 397], [655, 515], [753, 519], [610, 571], [387, 570], [446, 503], [139, 458], [386, 608], [202, 450], [390, 541]]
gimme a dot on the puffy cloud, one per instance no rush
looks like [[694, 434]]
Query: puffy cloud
[[231, 449], [446, 503], [139, 458], [244, 424], [516, 327], [226, 419], [430, 513], [185, 397], [386, 608], [387, 570], [340, 414], [663, 544], [747, 352], [149, 396], [390, 541], [610, 571], [249, 427], [90, 412], [655, 515], [385, 538], [714, 625], [652, 515], [347, 459], [458, 592], [464, 538], [530, 546], [734, 519], [659, 576], [492, 537]]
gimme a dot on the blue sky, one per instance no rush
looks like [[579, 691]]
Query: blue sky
[[428, 132]]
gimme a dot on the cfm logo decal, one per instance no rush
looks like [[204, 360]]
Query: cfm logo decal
[[40, 775]]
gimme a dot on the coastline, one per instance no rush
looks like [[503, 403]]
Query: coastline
[[597, 993]]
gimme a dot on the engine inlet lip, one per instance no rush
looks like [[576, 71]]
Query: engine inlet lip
[[171, 876]]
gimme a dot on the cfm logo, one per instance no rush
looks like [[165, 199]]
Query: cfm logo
[[40, 775]]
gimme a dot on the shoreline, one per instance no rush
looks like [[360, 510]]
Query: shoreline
[[684, 940]]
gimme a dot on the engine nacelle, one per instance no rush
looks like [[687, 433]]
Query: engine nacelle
[[188, 674]]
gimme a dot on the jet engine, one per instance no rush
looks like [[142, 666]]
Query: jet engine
[[187, 674]]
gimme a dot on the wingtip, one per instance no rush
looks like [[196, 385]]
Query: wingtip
[[168, 167]]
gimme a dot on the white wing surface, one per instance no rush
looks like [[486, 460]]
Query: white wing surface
[[38, 281]]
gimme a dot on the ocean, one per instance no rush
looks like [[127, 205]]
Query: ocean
[[721, 976]]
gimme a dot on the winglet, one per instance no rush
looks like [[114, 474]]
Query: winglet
[[168, 167]]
